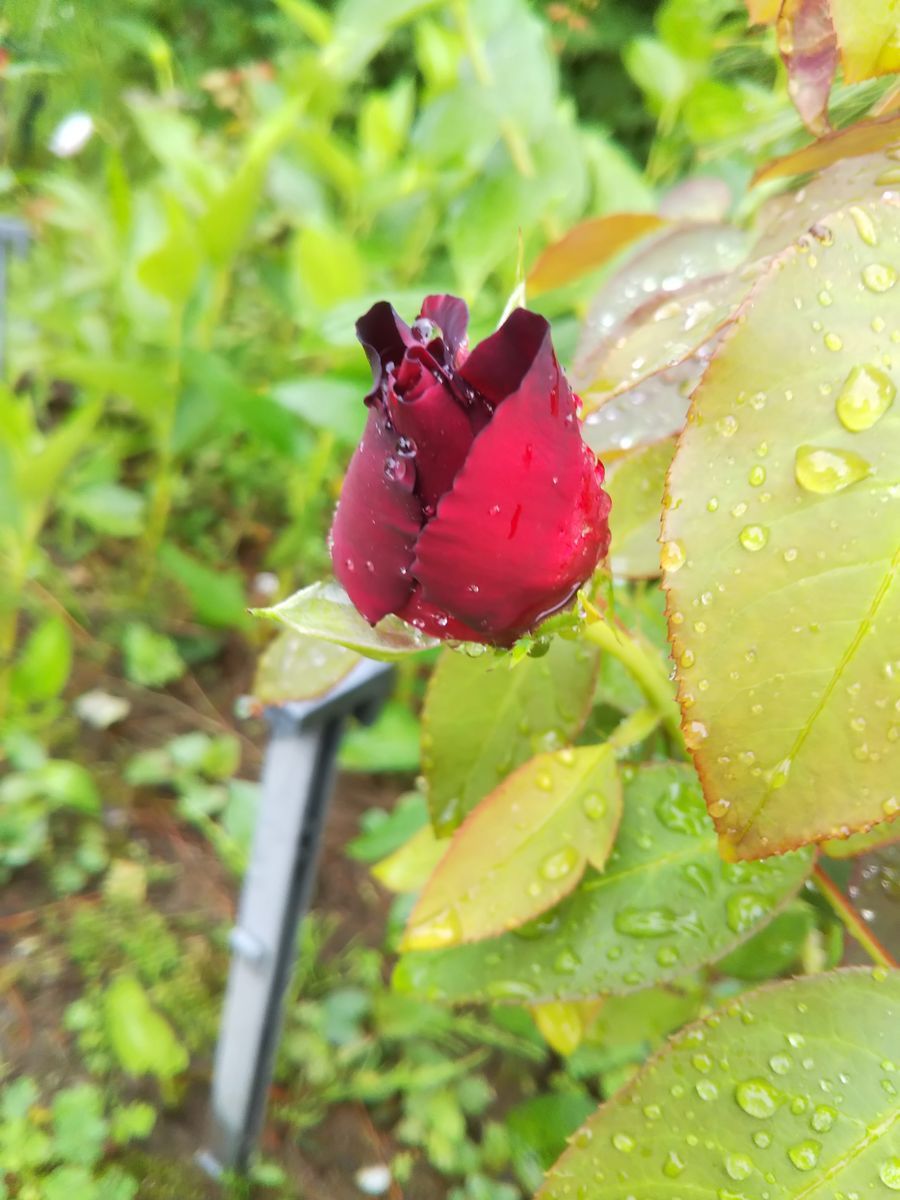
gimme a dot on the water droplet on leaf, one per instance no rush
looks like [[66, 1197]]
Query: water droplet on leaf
[[867, 394]]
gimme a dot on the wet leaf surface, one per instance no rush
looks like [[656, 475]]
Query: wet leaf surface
[[781, 565], [522, 849], [664, 904], [483, 717], [786, 1092]]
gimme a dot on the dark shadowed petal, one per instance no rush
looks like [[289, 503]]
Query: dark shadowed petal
[[436, 621], [376, 524], [497, 366], [526, 520], [451, 315], [384, 336], [432, 420]]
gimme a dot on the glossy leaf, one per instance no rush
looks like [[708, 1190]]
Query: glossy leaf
[[863, 137], [522, 849], [883, 834], [786, 1092], [586, 247], [483, 717], [646, 414], [781, 551], [867, 33], [297, 667], [660, 266], [664, 904], [324, 611], [410, 867], [636, 483]]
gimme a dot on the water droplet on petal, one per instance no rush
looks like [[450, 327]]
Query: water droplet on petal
[[823, 471]]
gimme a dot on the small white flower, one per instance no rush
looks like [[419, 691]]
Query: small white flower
[[71, 135], [374, 1180]]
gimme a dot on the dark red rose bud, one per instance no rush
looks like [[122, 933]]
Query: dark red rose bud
[[472, 508]]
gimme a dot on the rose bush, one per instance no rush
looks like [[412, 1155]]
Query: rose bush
[[472, 508]]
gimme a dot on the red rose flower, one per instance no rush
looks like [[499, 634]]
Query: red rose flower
[[472, 507]]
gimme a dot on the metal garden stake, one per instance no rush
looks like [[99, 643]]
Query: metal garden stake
[[297, 776]]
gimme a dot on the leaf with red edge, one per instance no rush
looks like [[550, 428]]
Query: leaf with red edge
[[586, 247], [781, 554], [808, 46], [865, 137], [522, 849]]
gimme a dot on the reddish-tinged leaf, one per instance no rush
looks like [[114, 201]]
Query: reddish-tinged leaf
[[865, 137], [808, 46], [522, 849], [587, 247], [781, 550]]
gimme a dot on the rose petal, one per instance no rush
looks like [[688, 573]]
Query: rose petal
[[376, 524], [384, 336], [498, 365], [451, 315], [434, 421], [526, 520], [436, 622]]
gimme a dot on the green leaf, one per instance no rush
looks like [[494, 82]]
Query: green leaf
[[296, 667], [328, 266], [107, 508], [665, 904], [781, 552], [217, 595], [775, 949], [132, 1121], [44, 664], [224, 225], [142, 1039], [332, 405], [171, 269], [410, 867], [383, 833], [391, 743], [483, 717], [782, 1092], [324, 610], [636, 483], [151, 658], [79, 1127], [522, 849]]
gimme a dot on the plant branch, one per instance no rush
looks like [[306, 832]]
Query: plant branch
[[647, 673], [852, 920]]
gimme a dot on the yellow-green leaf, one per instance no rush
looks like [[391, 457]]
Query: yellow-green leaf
[[409, 868], [781, 548], [522, 849], [868, 33], [636, 482]]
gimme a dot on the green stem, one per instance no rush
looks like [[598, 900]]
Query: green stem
[[632, 730], [646, 671], [852, 921], [164, 484]]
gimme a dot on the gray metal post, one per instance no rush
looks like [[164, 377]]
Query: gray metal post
[[297, 778], [14, 237]]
